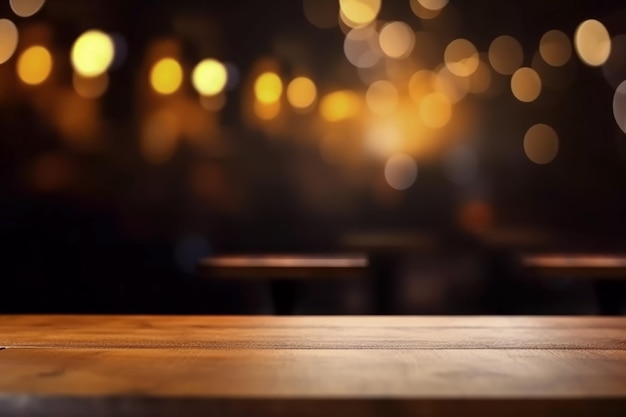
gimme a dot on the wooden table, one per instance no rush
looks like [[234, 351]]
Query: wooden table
[[305, 366], [283, 271]]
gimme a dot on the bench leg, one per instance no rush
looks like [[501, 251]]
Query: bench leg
[[610, 296], [284, 294]]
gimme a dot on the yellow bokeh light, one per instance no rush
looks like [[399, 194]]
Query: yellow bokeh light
[[455, 88], [397, 40], [160, 137], [541, 144], [361, 47], [266, 111], [461, 57], [382, 97], [555, 48], [301, 93], [268, 88], [506, 55], [526, 84], [592, 42], [340, 105], [435, 110], [26, 8], [433, 4], [92, 53], [400, 172], [209, 77], [422, 12], [90, 87], [34, 65], [8, 39], [421, 84], [166, 76], [359, 12]]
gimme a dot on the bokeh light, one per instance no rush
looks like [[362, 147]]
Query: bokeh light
[[92, 53], [397, 40], [435, 110], [340, 105], [26, 8], [506, 54], [209, 77], [614, 69], [526, 84], [619, 106], [213, 103], [400, 171], [34, 65], [453, 87], [421, 84], [382, 97], [592, 42], [461, 57], [301, 93], [422, 12], [160, 136], [8, 40], [266, 111], [359, 12], [475, 216], [555, 48], [321, 13], [383, 139], [433, 4], [541, 144], [362, 48], [166, 76], [480, 80], [268, 88], [90, 87]]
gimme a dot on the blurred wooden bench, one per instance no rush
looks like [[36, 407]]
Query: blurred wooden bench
[[607, 271], [283, 272]]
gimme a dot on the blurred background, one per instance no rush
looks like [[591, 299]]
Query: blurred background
[[138, 137]]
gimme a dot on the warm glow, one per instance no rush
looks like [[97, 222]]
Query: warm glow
[[593, 43], [359, 12], [435, 110], [301, 93], [26, 8], [421, 84], [619, 106], [213, 103], [526, 84], [433, 4], [34, 65], [93, 53], [268, 88], [90, 87], [160, 137], [397, 40], [339, 105], [555, 48], [461, 57], [166, 76], [422, 12], [455, 88], [382, 97], [266, 111], [8, 40], [541, 144], [209, 77], [506, 54], [400, 171]]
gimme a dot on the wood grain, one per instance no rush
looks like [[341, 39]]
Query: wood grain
[[313, 332]]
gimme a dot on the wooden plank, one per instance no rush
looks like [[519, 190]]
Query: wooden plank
[[284, 266], [314, 332], [302, 374]]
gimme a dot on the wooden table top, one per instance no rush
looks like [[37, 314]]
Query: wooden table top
[[279, 366]]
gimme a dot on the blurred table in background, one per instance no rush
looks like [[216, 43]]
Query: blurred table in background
[[305, 366], [284, 271]]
